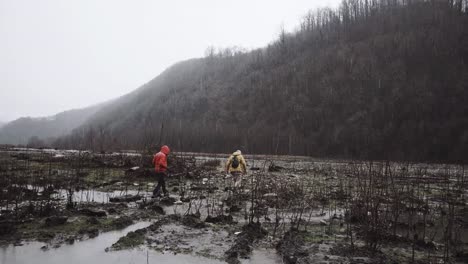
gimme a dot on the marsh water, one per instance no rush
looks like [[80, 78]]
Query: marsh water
[[93, 251]]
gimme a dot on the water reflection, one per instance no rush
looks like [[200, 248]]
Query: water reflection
[[92, 251]]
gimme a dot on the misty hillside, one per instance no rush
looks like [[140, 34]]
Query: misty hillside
[[34, 130], [374, 79]]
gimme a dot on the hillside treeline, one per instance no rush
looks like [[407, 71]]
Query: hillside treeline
[[371, 79]]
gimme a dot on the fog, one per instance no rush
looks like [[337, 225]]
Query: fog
[[60, 55]]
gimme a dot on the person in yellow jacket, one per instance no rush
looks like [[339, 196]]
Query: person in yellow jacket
[[236, 166]]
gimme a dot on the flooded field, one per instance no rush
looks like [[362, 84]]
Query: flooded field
[[92, 251], [79, 206]]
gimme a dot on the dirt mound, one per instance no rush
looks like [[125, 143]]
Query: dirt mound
[[158, 209], [364, 254], [55, 220], [137, 237], [274, 168], [243, 245], [167, 201], [153, 206], [7, 228], [193, 221], [92, 213], [211, 164], [90, 231], [125, 199], [291, 246], [220, 219], [119, 223], [138, 172], [131, 240], [93, 221]]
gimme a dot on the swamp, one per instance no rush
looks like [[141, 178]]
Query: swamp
[[78, 206]]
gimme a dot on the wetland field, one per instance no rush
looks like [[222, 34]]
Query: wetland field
[[75, 206]]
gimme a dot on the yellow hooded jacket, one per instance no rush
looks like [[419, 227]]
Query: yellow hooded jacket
[[242, 165]]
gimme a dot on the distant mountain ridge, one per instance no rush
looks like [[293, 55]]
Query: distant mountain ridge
[[21, 130]]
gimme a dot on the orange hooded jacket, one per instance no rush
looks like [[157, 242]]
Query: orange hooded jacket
[[160, 159]]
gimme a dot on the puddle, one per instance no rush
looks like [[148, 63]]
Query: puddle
[[263, 256], [98, 196], [88, 196], [92, 251]]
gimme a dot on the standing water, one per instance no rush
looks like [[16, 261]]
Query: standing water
[[263, 256], [93, 251]]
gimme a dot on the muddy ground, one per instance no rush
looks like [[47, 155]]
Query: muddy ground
[[303, 210]]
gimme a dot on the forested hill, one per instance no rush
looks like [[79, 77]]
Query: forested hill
[[373, 79]]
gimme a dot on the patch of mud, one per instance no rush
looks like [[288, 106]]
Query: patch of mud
[[153, 206], [55, 220], [7, 228], [93, 213], [131, 240], [291, 246], [57, 230], [135, 238], [178, 238], [167, 201], [193, 220], [360, 254], [263, 256], [220, 219], [242, 246], [118, 223], [125, 198]]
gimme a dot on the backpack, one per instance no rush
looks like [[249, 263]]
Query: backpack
[[235, 162]]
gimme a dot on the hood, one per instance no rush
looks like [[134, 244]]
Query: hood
[[165, 149]]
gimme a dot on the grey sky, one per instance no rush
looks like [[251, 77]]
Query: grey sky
[[57, 55]]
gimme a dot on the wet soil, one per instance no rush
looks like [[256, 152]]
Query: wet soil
[[292, 210], [242, 246]]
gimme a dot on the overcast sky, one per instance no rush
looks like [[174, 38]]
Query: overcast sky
[[57, 55]]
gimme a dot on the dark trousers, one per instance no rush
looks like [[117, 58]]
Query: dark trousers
[[161, 178]]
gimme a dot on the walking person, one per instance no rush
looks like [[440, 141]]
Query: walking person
[[237, 167], [160, 167]]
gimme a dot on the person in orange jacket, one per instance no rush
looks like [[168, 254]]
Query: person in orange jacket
[[160, 167]]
